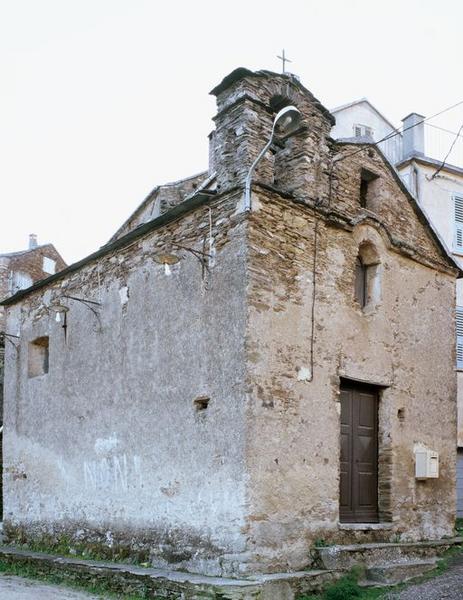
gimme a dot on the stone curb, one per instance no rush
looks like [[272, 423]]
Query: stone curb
[[157, 583]]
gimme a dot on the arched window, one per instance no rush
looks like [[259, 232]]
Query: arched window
[[361, 276], [367, 282], [286, 150]]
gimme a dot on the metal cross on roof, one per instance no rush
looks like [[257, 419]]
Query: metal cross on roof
[[284, 60]]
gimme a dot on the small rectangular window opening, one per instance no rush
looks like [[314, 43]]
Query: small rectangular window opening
[[201, 403], [366, 177], [49, 265], [38, 357]]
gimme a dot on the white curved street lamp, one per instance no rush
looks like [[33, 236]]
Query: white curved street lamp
[[287, 118]]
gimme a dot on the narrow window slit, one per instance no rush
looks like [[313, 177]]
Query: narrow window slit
[[366, 179]]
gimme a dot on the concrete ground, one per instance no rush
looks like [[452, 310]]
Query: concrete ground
[[16, 588], [448, 586]]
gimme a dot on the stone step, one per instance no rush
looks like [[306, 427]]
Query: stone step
[[158, 583], [392, 574], [343, 558]]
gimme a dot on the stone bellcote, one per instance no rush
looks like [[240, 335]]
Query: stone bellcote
[[247, 103]]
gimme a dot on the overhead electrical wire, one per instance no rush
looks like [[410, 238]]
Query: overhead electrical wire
[[441, 166], [443, 129], [399, 132]]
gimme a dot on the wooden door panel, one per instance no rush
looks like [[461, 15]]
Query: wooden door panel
[[365, 449], [366, 410], [359, 455], [346, 454], [366, 496], [345, 471]]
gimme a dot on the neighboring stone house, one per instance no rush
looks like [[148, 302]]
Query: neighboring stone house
[[417, 154], [217, 389], [19, 270]]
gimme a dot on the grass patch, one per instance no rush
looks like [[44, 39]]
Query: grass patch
[[347, 588], [64, 546], [98, 589], [459, 526]]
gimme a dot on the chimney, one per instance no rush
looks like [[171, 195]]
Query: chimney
[[413, 136], [32, 241]]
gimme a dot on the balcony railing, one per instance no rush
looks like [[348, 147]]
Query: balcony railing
[[438, 142], [392, 149]]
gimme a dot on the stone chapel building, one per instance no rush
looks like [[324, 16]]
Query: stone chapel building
[[216, 389]]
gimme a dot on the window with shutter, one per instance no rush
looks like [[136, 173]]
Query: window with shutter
[[459, 329], [19, 281], [362, 131], [458, 223]]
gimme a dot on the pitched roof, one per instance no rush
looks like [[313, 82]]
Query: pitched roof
[[418, 209], [150, 197], [22, 252], [431, 162], [184, 207], [241, 73], [364, 101]]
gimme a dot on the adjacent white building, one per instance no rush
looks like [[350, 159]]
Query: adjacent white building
[[417, 151], [360, 119]]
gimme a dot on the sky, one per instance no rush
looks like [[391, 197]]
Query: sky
[[102, 100]]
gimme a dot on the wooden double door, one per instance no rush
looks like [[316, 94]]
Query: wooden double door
[[359, 455]]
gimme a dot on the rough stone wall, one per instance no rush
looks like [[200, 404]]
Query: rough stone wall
[[159, 201], [460, 409], [437, 198], [245, 112], [30, 262], [385, 203], [113, 448], [4, 262], [405, 343], [293, 424]]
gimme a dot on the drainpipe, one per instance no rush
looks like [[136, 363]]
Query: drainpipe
[[416, 183]]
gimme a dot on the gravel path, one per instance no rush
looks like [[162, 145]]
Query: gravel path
[[16, 588], [448, 586]]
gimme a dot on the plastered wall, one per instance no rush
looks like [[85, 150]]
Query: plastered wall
[[108, 449], [404, 343]]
